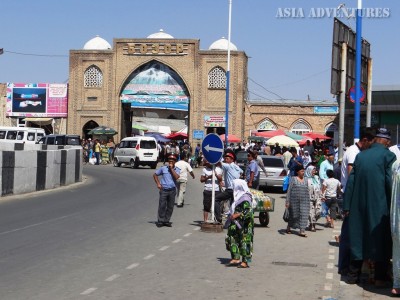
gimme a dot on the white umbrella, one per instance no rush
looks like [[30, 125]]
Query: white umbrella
[[283, 140]]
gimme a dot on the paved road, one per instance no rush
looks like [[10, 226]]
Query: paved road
[[98, 240]]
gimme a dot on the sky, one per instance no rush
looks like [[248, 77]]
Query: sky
[[288, 42]]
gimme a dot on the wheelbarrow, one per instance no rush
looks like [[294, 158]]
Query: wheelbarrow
[[263, 204]]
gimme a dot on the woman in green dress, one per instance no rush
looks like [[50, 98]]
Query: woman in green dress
[[240, 225]]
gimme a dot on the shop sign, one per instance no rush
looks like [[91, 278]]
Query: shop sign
[[214, 121], [326, 110]]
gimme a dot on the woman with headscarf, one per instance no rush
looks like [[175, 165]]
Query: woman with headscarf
[[239, 239], [395, 227], [298, 202], [314, 189]]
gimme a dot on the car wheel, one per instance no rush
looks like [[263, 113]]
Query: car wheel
[[116, 163], [264, 218]]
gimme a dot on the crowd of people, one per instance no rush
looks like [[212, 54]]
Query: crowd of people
[[97, 151]]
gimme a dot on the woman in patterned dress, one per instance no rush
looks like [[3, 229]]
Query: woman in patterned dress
[[298, 202], [395, 227], [314, 188], [239, 239]]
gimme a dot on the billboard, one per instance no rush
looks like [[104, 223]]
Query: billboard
[[344, 34], [155, 85], [37, 100]]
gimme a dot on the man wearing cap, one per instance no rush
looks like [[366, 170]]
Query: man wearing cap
[[167, 186], [231, 172], [367, 201]]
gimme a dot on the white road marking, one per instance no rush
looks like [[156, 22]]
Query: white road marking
[[187, 234], [196, 228], [148, 256], [328, 287], [329, 275], [327, 298], [132, 266], [336, 231], [37, 224], [329, 266], [177, 241], [331, 256], [113, 277], [343, 283], [163, 248], [331, 250], [88, 291]]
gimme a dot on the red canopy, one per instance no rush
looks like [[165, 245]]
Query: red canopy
[[231, 138], [177, 136], [270, 133], [314, 136]]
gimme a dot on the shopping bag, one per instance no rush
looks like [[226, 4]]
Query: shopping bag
[[286, 215], [286, 181]]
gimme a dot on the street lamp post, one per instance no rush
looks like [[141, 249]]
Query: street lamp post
[[358, 72], [228, 76]]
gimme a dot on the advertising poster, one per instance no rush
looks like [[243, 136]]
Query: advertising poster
[[37, 100]]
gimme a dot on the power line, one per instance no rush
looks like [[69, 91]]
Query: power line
[[32, 54], [266, 89], [300, 80]]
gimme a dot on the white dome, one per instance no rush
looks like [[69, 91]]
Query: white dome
[[160, 35], [222, 44], [97, 43]]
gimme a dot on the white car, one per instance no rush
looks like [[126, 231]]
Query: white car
[[136, 151], [276, 171]]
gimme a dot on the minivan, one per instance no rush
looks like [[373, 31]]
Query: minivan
[[27, 135], [135, 151], [61, 139]]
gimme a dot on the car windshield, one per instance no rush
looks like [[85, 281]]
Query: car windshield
[[272, 162]]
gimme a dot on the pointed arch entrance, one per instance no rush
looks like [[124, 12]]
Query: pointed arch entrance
[[155, 96], [87, 127]]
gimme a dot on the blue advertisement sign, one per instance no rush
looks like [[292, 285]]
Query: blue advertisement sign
[[326, 110], [198, 134]]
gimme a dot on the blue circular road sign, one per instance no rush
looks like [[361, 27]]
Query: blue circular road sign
[[213, 148], [352, 94]]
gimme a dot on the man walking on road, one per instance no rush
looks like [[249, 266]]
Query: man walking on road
[[367, 204], [167, 186], [185, 168]]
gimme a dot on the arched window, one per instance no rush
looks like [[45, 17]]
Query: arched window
[[267, 124], [300, 127], [93, 77], [217, 78]]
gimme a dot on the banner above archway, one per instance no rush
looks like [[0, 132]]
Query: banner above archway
[[155, 85]]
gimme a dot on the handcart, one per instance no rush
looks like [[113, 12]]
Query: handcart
[[263, 204]]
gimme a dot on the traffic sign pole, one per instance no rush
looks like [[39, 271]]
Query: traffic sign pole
[[213, 219]]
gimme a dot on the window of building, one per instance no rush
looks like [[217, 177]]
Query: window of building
[[93, 77], [217, 78], [300, 127]]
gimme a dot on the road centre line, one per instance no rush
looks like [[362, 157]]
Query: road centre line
[[163, 248], [187, 234], [331, 256], [148, 256], [177, 241], [328, 287], [132, 266], [89, 291], [113, 277], [329, 276], [331, 250], [196, 228], [330, 266]]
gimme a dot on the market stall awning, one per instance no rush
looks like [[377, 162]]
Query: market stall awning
[[39, 121]]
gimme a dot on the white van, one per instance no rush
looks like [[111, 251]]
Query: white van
[[27, 135], [135, 151]]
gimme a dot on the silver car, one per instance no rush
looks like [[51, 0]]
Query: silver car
[[275, 168]]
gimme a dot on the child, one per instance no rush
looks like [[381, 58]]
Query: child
[[331, 188]]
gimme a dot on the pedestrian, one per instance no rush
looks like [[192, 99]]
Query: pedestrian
[[206, 178], [331, 189], [306, 159], [231, 172], [111, 147], [367, 203], [252, 171], [167, 186], [298, 202], [395, 227], [261, 166], [97, 148], [294, 162], [286, 156], [367, 136], [185, 168], [314, 189], [240, 224], [327, 164]]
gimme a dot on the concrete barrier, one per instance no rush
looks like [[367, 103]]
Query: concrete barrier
[[29, 167]]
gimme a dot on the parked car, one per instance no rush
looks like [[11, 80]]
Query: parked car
[[135, 151], [241, 159], [275, 170], [61, 139]]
